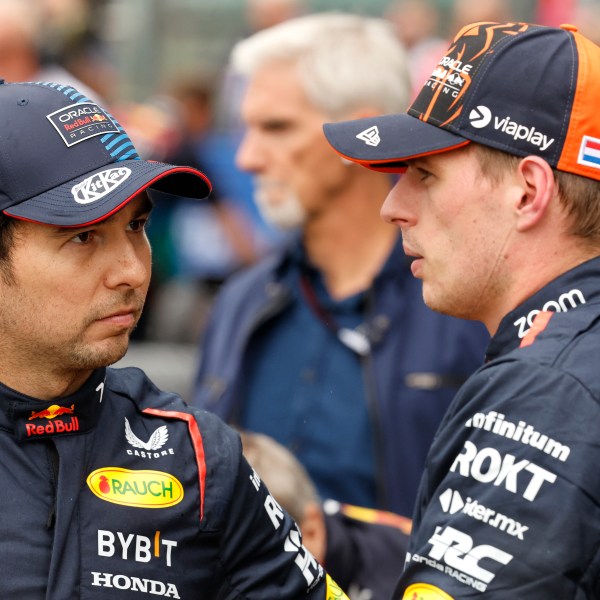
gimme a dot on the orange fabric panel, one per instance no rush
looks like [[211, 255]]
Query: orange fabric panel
[[585, 115]]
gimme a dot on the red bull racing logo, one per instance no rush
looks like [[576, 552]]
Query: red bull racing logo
[[58, 426]]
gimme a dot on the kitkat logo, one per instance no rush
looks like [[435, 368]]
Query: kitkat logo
[[142, 489]]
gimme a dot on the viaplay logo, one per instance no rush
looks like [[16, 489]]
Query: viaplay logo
[[481, 117]]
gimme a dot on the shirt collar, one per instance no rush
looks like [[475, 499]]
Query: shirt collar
[[33, 419]]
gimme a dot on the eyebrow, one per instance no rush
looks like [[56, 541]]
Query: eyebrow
[[145, 206]]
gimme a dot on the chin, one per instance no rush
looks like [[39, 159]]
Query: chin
[[95, 356]]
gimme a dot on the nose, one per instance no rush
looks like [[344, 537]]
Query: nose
[[129, 264], [249, 156], [399, 206]]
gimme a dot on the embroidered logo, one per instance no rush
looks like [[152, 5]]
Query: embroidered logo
[[157, 440], [370, 136], [81, 121]]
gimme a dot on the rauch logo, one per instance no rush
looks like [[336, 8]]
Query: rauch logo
[[142, 489]]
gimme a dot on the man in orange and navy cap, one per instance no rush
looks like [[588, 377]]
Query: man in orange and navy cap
[[498, 202]]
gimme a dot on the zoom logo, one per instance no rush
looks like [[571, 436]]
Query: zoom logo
[[480, 117]]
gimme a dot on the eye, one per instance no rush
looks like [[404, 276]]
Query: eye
[[84, 237], [423, 173], [138, 225]]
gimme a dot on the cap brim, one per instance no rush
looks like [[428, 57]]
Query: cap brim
[[383, 143], [98, 194]]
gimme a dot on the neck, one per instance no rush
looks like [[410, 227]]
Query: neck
[[42, 385], [552, 261], [349, 242]]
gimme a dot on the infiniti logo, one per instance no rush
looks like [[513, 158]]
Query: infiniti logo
[[480, 116]]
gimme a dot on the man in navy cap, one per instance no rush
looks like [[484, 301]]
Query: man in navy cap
[[499, 204], [109, 486]]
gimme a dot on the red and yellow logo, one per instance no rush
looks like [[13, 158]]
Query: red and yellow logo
[[142, 489], [52, 411], [425, 591]]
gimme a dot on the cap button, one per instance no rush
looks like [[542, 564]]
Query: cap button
[[569, 27]]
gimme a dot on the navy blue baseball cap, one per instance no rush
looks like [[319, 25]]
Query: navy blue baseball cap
[[65, 161], [521, 88]]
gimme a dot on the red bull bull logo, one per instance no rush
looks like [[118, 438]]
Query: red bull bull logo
[[58, 426], [52, 411]]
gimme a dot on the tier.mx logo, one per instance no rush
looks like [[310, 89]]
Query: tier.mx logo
[[452, 502]]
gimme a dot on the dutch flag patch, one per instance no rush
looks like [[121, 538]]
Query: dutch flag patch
[[589, 153]]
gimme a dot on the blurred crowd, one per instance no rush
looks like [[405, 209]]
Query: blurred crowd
[[192, 117]]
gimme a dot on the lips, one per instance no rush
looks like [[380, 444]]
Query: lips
[[122, 317], [410, 252]]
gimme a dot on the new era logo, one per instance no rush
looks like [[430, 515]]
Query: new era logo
[[370, 136]]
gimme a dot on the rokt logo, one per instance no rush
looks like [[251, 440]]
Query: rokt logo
[[480, 117], [487, 465], [370, 136]]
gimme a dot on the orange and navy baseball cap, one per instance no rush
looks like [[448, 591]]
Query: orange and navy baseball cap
[[66, 161], [521, 88]]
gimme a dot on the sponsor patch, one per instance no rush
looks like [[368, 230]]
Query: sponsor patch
[[141, 489], [589, 152], [452, 502], [425, 591], [100, 184], [81, 121]]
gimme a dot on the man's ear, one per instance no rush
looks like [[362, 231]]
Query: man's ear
[[537, 191], [314, 530]]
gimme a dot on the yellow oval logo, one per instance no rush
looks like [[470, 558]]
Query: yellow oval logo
[[143, 489]]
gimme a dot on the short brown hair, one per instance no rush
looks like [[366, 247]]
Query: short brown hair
[[579, 196]]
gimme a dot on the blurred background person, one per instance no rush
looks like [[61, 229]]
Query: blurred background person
[[28, 50], [196, 245], [417, 25], [362, 549], [326, 344]]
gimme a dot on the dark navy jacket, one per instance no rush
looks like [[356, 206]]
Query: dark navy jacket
[[509, 505], [419, 359], [123, 491], [365, 549]]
